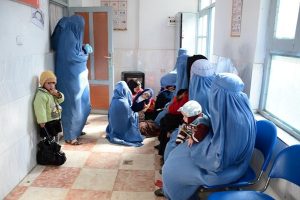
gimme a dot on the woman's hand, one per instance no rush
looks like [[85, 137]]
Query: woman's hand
[[87, 49], [146, 106]]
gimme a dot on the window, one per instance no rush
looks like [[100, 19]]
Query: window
[[205, 3], [284, 30], [281, 92], [60, 2], [205, 28], [57, 9]]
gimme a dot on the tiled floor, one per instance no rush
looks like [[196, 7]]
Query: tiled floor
[[95, 170]]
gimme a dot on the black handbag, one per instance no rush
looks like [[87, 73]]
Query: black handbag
[[49, 152], [52, 127]]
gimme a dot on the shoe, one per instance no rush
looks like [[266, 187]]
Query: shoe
[[158, 183], [159, 192], [162, 161]]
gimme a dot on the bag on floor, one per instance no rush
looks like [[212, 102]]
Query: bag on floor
[[149, 128], [49, 153]]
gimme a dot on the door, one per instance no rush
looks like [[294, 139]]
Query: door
[[98, 33], [186, 32]]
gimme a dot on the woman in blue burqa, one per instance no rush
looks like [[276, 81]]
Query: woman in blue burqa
[[224, 154], [181, 68], [202, 75], [123, 127], [72, 75]]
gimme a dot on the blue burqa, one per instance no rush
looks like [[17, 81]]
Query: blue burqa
[[168, 79], [181, 68], [202, 75], [224, 154], [181, 51], [123, 125], [72, 74]]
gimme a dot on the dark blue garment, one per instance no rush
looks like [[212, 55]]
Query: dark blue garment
[[123, 125], [163, 98], [72, 74], [224, 154], [138, 106]]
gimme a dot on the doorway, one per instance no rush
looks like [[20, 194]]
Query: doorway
[[98, 33]]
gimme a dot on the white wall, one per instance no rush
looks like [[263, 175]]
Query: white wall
[[148, 44], [20, 66], [246, 51]]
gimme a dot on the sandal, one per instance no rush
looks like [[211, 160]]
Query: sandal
[[73, 142], [159, 192]]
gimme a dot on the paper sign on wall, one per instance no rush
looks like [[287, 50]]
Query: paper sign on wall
[[119, 13], [236, 18]]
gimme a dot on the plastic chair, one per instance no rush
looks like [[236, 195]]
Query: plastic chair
[[266, 135], [286, 166]]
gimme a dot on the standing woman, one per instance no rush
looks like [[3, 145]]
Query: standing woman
[[72, 75]]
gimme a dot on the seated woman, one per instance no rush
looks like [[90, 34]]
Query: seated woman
[[202, 75], [142, 103], [135, 87], [168, 79], [165, 96], [123, 125], [223, 156]]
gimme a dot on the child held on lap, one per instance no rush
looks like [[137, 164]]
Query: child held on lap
[[196, 124], [46, 105]]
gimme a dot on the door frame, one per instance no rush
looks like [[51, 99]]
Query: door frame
[[110, 81]]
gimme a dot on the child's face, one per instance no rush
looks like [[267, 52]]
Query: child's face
[[185, 119], [137, 89], [49, 85], [171, 88], [179, 97], [146, 95]]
